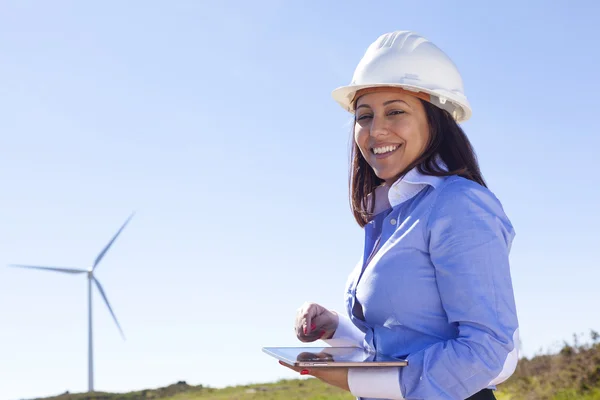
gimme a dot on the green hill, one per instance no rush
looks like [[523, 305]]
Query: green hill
[[572, 373]]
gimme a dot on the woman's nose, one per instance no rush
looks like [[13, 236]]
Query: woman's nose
[[378, 127]]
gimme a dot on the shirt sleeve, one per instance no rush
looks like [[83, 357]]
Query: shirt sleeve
[[346, 334], [375, 383], [469, 239]]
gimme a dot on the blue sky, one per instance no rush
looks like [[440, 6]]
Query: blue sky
[[214, 122]]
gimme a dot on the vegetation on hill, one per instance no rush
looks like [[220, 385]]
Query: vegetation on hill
[[573, 373]]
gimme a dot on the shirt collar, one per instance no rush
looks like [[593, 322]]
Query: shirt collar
[[411, 184]]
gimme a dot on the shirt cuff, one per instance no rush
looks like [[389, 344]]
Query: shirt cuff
[[375, 382], [346, 334]]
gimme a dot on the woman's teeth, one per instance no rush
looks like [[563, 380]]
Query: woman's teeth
[[384, 149]]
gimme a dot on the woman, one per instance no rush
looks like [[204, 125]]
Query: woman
[[434, 284]]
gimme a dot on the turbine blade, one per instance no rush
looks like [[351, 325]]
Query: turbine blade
[[99, 286], [55, 269], [103, 252]]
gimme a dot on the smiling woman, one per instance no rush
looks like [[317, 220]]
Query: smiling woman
[[433, 285], [410, 132], [391, 131]]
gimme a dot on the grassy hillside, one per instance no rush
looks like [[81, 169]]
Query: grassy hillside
[[285, 389], [571, 374]]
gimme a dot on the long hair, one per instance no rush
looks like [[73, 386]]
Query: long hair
[[446, 140]]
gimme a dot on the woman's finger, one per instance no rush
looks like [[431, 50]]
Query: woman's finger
[[309, 317], [290, 366], [302, 371]]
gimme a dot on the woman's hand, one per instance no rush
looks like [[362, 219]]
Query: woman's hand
[[333, 376], [315, 322]]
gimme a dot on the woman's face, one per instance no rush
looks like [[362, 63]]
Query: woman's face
[[391, 131]]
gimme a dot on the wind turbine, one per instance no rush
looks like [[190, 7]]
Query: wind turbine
[[90, 278]]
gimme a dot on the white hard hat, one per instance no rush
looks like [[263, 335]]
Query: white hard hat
[[409, 61]]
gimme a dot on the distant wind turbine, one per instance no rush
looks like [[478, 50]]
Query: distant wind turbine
[[91, 278]]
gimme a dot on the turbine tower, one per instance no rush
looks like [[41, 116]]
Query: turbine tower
[[90, 278]]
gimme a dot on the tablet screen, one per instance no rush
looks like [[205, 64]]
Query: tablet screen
[[326, 354]]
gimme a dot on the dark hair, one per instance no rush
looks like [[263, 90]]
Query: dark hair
[[446, 139]]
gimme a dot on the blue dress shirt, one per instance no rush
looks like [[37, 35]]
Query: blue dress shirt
[[433, 285]]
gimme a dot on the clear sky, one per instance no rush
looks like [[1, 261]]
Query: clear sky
[[214, 122]]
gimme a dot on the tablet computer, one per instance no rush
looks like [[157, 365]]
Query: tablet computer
[[332, 357]]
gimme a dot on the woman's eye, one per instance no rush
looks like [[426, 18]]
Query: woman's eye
[[363, 117], [396, 112]]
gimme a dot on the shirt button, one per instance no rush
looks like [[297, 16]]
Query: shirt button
[[393, 221]]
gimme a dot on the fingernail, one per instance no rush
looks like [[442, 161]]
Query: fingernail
[[304, 330], [304, 372], [322, 334], [313, 327]]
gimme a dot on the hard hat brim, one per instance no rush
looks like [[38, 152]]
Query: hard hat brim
[[344, 96]]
